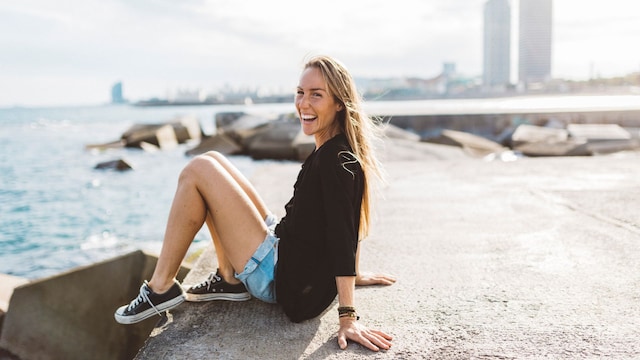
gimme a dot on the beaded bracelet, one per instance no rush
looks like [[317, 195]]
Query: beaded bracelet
[[348, 311]]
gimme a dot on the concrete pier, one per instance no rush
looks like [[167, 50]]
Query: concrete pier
[[528, 259]]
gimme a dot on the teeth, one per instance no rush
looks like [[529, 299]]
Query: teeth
[[308, 117]]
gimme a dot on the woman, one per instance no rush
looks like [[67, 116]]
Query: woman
[[315, 246]]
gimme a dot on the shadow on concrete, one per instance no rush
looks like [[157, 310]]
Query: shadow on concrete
[[229, 330]]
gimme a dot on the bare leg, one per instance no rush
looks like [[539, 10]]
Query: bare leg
[[224, 265], [207, 188], [242, 181]]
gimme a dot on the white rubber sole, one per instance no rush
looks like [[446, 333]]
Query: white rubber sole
[[221, 296], [132, 319]]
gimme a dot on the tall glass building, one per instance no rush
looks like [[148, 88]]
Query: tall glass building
[[497, 45], [535, 28], [116, 94]]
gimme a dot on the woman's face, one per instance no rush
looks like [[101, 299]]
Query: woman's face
[[316, 107]]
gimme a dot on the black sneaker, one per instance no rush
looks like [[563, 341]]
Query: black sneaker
[[215, 288], [149, 303]]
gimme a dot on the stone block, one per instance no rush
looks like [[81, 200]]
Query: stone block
[[70, 315], [538, 134], [598, 132], [274, 141], [219, 142], [162, 136], [187, 128], [474, 145]]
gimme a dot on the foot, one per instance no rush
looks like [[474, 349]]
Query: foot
[[148, 303], [216, 288]]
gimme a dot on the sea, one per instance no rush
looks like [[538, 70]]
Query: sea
[[58, 212]]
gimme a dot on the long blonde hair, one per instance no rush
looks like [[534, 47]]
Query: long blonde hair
[[358, 127]]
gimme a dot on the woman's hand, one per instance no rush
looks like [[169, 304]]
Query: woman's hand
[[353, 330], [368, 278]]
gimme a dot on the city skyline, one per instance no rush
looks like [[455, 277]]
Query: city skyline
[[72, 53]]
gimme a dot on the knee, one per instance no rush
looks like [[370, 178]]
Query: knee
[[214, 155], [196, 167]]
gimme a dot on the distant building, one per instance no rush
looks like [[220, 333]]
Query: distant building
[[497, 45], [535, 41], [116, 94]]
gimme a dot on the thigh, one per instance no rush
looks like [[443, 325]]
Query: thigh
[[237, 221], [242, 180]]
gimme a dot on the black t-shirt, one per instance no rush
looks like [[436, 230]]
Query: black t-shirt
[[319, 233]]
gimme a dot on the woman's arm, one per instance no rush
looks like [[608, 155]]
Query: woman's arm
[[368, 278], [350, 328]]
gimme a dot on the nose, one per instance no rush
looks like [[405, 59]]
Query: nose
[[302, 101]]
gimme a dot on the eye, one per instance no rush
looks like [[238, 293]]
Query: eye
[[299, 92], [317, 94]]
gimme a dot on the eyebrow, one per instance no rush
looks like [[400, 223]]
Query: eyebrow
[[313, 89]]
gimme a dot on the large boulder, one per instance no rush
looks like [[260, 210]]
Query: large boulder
[[164, 135], [159, 135], [545, 141], [218, 142], [274, 141]]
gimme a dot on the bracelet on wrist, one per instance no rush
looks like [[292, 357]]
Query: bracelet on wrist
[[348, 312]]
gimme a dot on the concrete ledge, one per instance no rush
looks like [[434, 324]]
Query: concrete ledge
[[70, 316], [535, 258]]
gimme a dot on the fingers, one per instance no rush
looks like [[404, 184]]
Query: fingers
[[380, 339], [342, 341], [383, 279], [372, 339], [375, 279], [387, 280]]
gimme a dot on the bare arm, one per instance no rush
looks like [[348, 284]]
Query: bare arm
[[350, 328]]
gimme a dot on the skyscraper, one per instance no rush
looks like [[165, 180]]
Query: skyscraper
[[497, 44], [116, 94], [535, 41]]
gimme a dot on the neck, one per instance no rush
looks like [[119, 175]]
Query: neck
[[320, 139]]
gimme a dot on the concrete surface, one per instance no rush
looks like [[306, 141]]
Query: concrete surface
[[70, 315], [535, 258]]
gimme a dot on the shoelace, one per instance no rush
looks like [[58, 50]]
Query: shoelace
[[142, 297], [212, 279]]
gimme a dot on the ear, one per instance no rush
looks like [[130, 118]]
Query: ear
[[339, 107]]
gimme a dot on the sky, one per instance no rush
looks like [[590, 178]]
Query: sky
[[70, 52]]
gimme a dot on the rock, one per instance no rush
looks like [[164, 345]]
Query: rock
[[241, 128], [219, 142], [187, 128], [274, 141], [161, 135], [474, 145], [119, 165], [598, 132], [395, 132], [101, 147], [537, 134], [543, 141]]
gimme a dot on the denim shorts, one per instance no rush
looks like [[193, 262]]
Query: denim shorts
[[259, 273]]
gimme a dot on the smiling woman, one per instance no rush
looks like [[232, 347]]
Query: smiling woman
[[307, 258]]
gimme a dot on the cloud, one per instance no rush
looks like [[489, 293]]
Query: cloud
[[154, 45]]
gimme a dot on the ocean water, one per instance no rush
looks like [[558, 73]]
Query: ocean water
[[57, 212]]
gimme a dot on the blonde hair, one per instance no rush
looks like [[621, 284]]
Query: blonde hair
[[358, 127]]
